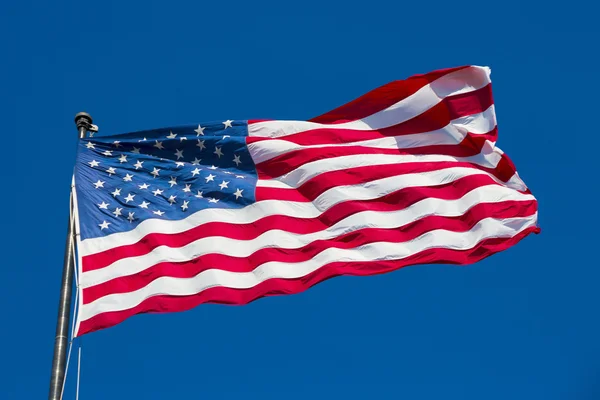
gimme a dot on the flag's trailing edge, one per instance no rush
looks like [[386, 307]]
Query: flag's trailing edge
[[228, 212]]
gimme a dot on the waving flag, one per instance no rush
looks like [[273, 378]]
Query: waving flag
[[231, 211]]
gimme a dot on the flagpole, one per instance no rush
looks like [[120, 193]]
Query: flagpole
[[84, 123]]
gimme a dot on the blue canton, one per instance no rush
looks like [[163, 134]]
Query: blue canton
[[168, 174]]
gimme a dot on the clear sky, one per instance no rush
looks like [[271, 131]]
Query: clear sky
[[522, 324]]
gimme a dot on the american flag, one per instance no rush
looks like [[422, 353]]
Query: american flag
[[231, 211]]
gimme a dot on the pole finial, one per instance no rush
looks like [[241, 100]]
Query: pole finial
[[83, 120], [84, 124]]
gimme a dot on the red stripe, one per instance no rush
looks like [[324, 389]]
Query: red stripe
[[410, 231], [435, 118], [382, 97], [394, 201], [476, 141], [288, 162], [272, 287], [469, 103], [319, 184]]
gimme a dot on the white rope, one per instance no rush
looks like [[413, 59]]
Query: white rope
[[75, 308], [73, 319], [75, 234], [78, 372], [76, 275], [70, 344], [75, 272], [62, 390], [75, 269]]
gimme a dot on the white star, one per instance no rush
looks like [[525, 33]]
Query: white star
[[218, 152], [212, 167], [240, 176], [111, 171], [129, 198], [172, 136], [103, 206], [181, 139], [179, 164], [236, 160], [90, 145], [228, 124], [184, 206], [172, 199], [195, 171], [223, 185], [117, 211], [201, 144], [108, 153], [128, 178], [104, 225], [144, 204], [94, 163], [142, 140], [144, 186], [187, 188], [99, 184], [135, 150], [155, 172], [210, 177], [158, 212], [179, 154], [173, 181], [196, 161], [157, 192], [228, 172], [199, 131], [199, 195], [225, 137], [238, 193], [211, 200], [117, 144], [116, 193], [158, 145], [138, 164], [130, 217], [123, 158]]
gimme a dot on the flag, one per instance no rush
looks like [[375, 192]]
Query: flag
[[232, 211]]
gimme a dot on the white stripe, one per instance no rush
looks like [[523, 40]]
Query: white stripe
[[516, 181], [267, 149], [484, 229], [489, 157], [287, 240], [261, 209], [477, 123], [458, 82], [381, 187], [450, 134]]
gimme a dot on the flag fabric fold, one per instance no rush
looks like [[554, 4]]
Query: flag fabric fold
[[232, 211]]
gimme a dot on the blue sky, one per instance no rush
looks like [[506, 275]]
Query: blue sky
[[521, 325]]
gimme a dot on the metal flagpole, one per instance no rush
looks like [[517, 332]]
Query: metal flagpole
[[84, 124]]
